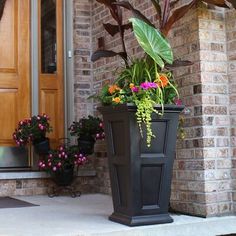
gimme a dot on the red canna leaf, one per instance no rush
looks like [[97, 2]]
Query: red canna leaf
[[176, 15], [166, 13], [114, 29], [178, 63], [233, 2], [111, 29], [136, 13], [114, 10], [156, 4], [2, 5], [172, 4], [106, 53]]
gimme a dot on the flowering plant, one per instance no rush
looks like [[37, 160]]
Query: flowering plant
[[33, 130], [63, 157], [90, 128], [146, 82]]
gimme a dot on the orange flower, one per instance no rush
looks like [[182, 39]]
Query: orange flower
[[113, 88], [163, 81], [131, 85], [116, 100]]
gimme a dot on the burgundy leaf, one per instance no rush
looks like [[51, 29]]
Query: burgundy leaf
[[219, 3], [135, 12], [233, 2], [111, 29], [176, 15], [114, 29], [166, 13], [178, 63], [105, 53], [157, 6], [2, 4], [114, 10], [172, 4]]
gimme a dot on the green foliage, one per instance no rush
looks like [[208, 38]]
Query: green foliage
[[152, 42], [32, 130], [63, 157], [90, 128], [145, 84]]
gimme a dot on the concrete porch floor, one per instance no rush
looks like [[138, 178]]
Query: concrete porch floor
[[87, 216]]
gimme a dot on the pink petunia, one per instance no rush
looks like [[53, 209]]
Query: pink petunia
[[135, 89], [178, 102], [148, 85]]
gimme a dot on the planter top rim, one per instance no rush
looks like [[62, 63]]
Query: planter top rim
[[132, 107]]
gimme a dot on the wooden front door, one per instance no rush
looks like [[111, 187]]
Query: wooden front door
[[15, 74]]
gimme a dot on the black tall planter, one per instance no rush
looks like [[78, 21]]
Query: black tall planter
[[42, 147], [140, 176]]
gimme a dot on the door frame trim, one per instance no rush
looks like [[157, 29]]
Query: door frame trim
[[68, 61], [34, 58], [68, 64]]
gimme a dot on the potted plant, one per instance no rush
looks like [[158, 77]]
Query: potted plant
[[33, 131], [87, 131], [60, 163], [143, 102], [140, 120]]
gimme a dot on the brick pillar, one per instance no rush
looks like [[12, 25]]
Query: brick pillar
[[203, 168], [231, 46]]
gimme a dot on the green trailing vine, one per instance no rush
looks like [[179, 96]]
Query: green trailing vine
[[145, 109]]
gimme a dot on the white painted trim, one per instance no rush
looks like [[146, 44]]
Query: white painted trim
[[38, 175], [68, 64]]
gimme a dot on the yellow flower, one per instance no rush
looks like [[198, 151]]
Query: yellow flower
[[131, 85], [116, 100]]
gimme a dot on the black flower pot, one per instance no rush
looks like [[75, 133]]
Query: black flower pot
[[64, 177], [140, 176], [86, 146], [42, 147]]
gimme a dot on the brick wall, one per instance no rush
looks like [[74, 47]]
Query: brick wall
[[203, 177], [27, 187], [231, 46], [83, 74]]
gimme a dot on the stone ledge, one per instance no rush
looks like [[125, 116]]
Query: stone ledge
[[38, 174]]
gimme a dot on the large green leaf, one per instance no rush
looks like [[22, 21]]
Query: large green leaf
[[152, 42]]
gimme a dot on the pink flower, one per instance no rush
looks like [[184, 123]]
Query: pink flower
[[54, 168], [135, 89], [178, 102], [148, 85]]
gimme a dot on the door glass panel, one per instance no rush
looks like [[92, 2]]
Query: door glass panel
[[48, 37]]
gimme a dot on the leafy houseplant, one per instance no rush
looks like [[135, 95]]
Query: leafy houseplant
[[87, 131], [60, 163], [33, 131]]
